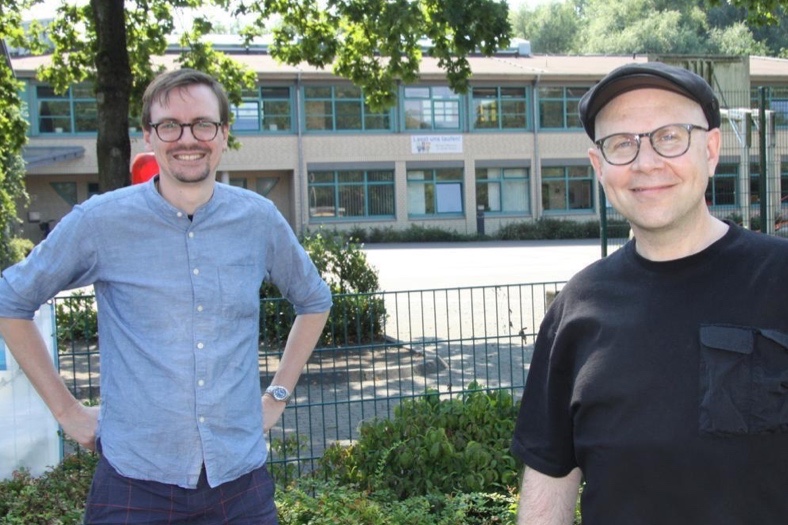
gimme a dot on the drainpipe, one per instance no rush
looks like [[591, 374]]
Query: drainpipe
[[301, 205], [536, 167]]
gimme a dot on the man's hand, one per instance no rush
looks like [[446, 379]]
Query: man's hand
[[272, 411], [80, 423]]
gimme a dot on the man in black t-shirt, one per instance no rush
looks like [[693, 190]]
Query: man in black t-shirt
[[660, 374]]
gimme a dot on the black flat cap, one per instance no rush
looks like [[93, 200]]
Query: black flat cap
[[648, 75]]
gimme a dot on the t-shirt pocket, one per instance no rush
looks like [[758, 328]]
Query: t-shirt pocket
[[743, 380]]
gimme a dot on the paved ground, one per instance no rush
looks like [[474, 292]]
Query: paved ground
[[458, 307], [420, 266]]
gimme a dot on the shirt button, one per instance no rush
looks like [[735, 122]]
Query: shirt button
[[191, 234], [196, 271], [200, 346], [202, 419], [199, 308], [200, 383], [179, 214]]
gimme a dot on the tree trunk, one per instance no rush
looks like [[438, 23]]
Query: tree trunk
[[113, 90]]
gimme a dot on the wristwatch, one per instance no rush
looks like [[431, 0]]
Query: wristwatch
[[279, 393]]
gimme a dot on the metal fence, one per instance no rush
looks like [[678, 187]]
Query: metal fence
[[378, 349]]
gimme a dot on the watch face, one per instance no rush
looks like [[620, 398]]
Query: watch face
[[279, 393]]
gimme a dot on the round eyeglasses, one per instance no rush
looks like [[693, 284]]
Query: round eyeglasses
[[171, 131], [668, 141]]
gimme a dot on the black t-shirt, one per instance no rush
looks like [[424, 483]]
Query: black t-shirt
[[667, 384]]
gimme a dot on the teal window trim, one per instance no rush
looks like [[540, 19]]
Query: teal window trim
[[266, 109], [341, 109], [567, 189], [504, 190], [74, 112], [558, 107], [351, 194], [436, 192], [776, 100], [499, 108], [431, 108]]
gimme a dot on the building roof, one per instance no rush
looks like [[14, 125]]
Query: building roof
[[503, 66], [40, 156]]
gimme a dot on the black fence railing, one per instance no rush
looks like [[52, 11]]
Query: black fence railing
[[377, 350]]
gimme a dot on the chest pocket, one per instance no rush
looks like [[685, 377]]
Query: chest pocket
[[240, 291], [743, 380]]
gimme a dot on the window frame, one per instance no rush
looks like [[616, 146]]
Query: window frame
[[433, 188], [333, 102], [499, 101], [336, 185]]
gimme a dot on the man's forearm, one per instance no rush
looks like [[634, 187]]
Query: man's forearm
[[301, 341], [545, 500]]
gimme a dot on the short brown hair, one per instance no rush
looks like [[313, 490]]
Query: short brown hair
[[161, 86]]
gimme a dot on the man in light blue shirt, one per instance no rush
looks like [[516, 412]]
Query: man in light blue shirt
[[176, 264]]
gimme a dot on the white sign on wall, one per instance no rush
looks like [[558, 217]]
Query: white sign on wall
[[423, 144], [28, 431]]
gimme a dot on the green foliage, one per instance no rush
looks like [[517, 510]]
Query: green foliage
[[316, 502], [738, 27], [433, 446], [55, 498], [286, 470], [77, 318], [13, 134], [358, 313], [549, 229]]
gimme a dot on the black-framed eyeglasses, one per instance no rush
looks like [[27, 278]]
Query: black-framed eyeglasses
[[172, 131], [668, 141]]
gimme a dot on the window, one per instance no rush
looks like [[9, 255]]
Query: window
[[503, 190], [351, 193], [341, 108], [566, 188], [776, 100], [432, 108], [435, 192], [500, 108], [267, 109], [74, 111], [721, 190], [558, 107]]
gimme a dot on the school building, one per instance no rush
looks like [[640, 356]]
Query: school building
[[512, 147]]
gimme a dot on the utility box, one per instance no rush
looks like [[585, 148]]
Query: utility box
[[29, 435]]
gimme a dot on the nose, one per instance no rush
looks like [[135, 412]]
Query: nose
[[188, 135], [647, 157]]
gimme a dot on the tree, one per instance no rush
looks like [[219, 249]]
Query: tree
[[736, 40], [551, 28], [644, 26], [13, 129], [373, 43], [759, 12]]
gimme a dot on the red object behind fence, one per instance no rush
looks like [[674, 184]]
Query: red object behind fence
[[143, 167]]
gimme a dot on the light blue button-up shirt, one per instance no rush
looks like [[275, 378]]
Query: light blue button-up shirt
[[178, 312]]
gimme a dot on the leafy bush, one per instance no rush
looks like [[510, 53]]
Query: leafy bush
[[77, 318], [541, 229], [548, 229], [55, 498], [433, 446], [58, 498], [358, 313], [316, 502]]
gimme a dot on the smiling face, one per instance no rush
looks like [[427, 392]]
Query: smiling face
[[654, 193], [187, 161]]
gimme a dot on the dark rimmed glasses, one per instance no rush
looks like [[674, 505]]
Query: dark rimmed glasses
[[669, 141], [172, 131]]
